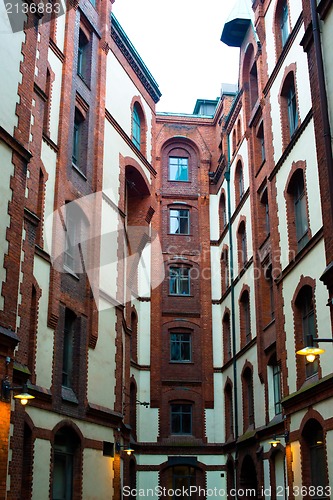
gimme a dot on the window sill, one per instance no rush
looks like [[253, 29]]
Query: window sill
[[173, 362], [179, 295], [67, 394], [67, 270], [79, 171], [179, 234]]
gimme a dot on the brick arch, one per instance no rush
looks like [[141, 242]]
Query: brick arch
[[132, 166], [299, 165], [288, 75], [180, 141], [276, 27], [298, 330], [71, 425], [312, 414]]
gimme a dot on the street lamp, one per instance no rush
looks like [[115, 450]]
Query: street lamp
[[310, 351], [126, 447], [275, 441], [23, 395]]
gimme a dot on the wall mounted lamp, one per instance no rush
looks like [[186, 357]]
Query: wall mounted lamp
[[277, 439], [23, 395], [142, 403], [126, 447], [311, 351]]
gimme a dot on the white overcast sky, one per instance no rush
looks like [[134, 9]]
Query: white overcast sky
[[179, 41]]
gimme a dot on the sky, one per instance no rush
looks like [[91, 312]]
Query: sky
[[179, 41]]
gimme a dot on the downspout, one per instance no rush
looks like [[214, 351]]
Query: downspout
[[232, 293], [323, 99]]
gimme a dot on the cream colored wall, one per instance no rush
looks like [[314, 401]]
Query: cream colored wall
[[217, 315], [216, 485], [49, 159], [41, 467], [298, 56], [147, 418], [11, 57], [119, 93], [45, 335], [307, 267], [7, 170], [148, 480], [215, 422], [103, 355], [305, 151], [215, 256], [97, 475], [109, 256], [143, 309], [113, 145], [60, 27], [214, 227], [297, 471], [295, 9]]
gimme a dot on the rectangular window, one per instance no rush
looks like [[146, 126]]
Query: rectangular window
[[68, 349], [84, 57], [71, 242], [277, 389], [292, 110], [179, 281], [179, 221], [180, 347], [178, 169], [181, 419], [284, 24]]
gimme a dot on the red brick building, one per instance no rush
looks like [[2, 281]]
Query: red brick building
[[159, 270]]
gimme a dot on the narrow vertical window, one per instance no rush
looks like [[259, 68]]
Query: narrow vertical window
[[68, 349], [136, 127], [292, 109], [84, 56], [301, 221], [277, 389], [78, 140], [284, 23]]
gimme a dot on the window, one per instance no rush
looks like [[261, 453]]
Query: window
[[292, 109], [183, 479], [239, 182], [314, 459], [66, 445], [178, 169], [224, 270], [289, 108], [79, 141], [229, 428], [270, 283], [68, 349], [253, 85], [179, 221], [277, 389], [223, 212], [84, 55], [181, 419], [264, 202], [245, 318], [242, 245], [180, 347], [227, 354], [136, 127], [301, 220], [261, 139], [71, 245], [248, 401], [179, 281], [284, 23]]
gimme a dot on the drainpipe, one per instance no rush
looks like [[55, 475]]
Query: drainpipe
[[232, 292], [323, 99]]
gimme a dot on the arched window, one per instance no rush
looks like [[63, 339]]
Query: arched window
[[305, 318], [248, 401], [224, 270], [289, 108], [239, 182], [281, 25], [297, 214], [314, 461], [245, 318], [136, 127], [229, 426], [242, 245], [223, 213], [253, 81], [234, 141], [227, 353], [66, 451]]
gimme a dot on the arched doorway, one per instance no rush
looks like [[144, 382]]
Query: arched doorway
[[248, 482]]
